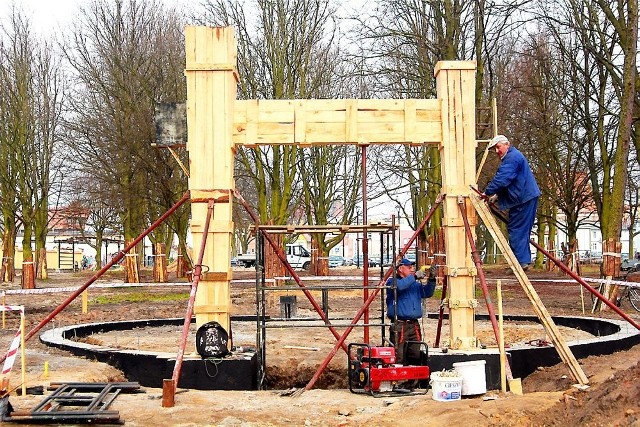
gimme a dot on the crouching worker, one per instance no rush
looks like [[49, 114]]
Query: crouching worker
[[404, 307]]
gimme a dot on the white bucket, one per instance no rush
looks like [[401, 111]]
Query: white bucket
[[474, 378], [445, 388]]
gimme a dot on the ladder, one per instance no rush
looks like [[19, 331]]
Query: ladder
[[550, 327]]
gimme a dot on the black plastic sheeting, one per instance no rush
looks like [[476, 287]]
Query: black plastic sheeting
[[239, 371], [235, 372]]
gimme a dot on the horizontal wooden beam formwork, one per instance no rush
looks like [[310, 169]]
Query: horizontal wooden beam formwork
[[308, 122]]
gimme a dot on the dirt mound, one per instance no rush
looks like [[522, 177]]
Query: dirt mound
[[612, 403]]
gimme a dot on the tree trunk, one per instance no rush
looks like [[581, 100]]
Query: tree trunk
[[42, 264], [611, 264], [8, 255], [573, 258], [132, 274], [160, 263], [272, 265], [182, 263], [28, 273], [319, 260]]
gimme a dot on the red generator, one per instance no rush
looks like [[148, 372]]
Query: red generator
[[374, 370]]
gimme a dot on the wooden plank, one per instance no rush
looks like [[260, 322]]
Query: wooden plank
[[351, 121], [410, 120], [552, 330], [300, 124]]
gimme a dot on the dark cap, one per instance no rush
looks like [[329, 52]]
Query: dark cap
[[405, 261]]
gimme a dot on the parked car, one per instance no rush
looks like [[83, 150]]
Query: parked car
[[630, 265], [336, 261], [595, 258], [297, 255], [359, 260]]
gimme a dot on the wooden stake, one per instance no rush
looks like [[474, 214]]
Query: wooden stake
[[168, 393], [85, 301], [23, 359], [503, 356]]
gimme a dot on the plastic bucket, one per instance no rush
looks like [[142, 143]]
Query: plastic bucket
[[474, 378], [445, 388]]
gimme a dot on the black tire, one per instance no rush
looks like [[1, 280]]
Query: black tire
[[306, 265], [634, 298]]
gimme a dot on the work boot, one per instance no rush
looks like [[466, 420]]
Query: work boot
[[525, 267]]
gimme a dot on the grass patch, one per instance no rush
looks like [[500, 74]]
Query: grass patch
[[140, 297]]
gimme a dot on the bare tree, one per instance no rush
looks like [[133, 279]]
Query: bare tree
[[126, 59], [608, 33], [404, 39], [32, 107], [286, 52]]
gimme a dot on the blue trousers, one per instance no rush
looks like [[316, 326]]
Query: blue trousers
[[519, 225]]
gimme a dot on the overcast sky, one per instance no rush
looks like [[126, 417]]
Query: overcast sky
[[50, 15], [46, 15]]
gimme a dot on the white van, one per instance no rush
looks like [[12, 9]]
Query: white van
[[297, 255]]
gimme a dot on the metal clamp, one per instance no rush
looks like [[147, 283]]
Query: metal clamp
[[455, 304]]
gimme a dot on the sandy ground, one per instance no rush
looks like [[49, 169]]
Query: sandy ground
[[549, 397]]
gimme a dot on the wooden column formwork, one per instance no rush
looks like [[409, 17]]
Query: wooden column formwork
[[455, 82], [211, 93], [217, 122]]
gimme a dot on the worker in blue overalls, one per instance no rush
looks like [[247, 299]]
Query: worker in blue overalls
[[516, 190], [404, 298]]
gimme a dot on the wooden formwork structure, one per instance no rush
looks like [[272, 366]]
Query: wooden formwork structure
[[217, 123]]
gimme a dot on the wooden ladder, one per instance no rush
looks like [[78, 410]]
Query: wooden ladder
[[552, 330]]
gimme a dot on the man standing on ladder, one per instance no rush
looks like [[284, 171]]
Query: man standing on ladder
[[515, 189]]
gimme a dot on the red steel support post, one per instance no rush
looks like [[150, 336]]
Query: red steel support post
[[278, 250], [197, 272], [483, 280], [99, 273], [590, 288], [369, 300]]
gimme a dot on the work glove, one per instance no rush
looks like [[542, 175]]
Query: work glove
[[420, 274], [432, 271], [493, 198]]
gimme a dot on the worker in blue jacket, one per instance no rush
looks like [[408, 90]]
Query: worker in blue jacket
[[404, 298], [516, 190]]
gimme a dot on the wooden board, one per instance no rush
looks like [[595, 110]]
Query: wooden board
[[552, 330]]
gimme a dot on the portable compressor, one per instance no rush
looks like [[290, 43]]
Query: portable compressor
[[374, 370]]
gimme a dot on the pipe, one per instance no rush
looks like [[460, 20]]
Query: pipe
[[590, 288], [481, 276], [441, 312], [99, 273], [365, 243], [283, 259], [380, 286], [568, 271], [197, 272]]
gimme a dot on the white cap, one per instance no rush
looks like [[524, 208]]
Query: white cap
[[497, 139]]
